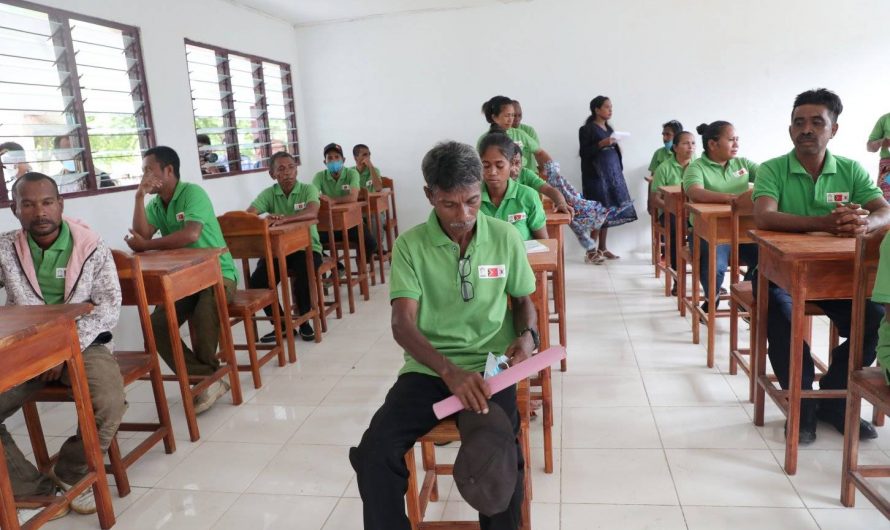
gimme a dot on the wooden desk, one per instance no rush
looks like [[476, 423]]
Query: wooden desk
[[555, 222], [171, 275], [675, 207], [713, 224], [34, 339], [344, 216], [378, 204], [809, 267], [287, 239], [542, 263]]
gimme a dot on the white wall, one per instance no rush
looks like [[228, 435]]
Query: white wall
[[402, 83]]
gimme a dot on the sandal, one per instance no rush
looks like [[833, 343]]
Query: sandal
[[608, 255], [594, 257]]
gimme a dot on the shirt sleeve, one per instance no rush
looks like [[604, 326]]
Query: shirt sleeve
[[316, 181], [653, 164], [878, 132], [752, 167], [694, 175], [527, 178], [354, 180], [536, 217], [262, 203], [403, 280], [196, 205], [864, 188], [520, 278], [312, 194], [530, 143], [766, 184], [151, 214]]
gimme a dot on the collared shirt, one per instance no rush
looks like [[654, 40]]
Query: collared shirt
[[425, 268], [881, 131], [732, 178], [842, 181], [51, 263], [881, 295], [273, 200], [330, 187], [668, 173], [521, 207], [660, 155], [191, 203], [531, 179], [365, 180]]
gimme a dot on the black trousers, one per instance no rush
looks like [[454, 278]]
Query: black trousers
[[370, 240], [379, 460], [296, 263], [839, 312]]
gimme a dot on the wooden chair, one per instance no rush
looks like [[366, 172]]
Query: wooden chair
[[247, 236], [134, 365], [417, 499], [366, 209], [684, 257], [393, 221], [327, 277], [656, 232], [661, 241], [868, 383]]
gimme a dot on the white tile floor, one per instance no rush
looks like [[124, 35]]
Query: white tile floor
[[646, 436]]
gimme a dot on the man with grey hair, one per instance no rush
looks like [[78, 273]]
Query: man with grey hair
[[451, 279]]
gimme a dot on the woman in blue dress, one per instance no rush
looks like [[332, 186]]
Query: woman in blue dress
[[602, 174]]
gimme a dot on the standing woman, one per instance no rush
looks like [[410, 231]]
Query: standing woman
[[602, 174], [880, 139]]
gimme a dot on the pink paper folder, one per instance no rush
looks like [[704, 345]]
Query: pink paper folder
[[510, 376]]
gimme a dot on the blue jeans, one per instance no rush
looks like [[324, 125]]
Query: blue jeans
[[747, 255]]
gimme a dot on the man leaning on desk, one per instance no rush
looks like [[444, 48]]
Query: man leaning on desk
[[812, 190], [56, 260]]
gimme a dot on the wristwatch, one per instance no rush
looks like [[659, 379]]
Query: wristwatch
[[535, 338]]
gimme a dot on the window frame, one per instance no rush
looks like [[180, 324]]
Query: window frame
[[233, 151], [146, 139]]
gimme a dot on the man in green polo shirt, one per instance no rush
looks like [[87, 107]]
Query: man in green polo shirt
[[369, 174], [183, 214], [451, 280], [288, 201], [812, 190]]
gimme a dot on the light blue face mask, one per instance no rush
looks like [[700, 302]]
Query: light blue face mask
[[669, 144], [887, 178], [334, 166]]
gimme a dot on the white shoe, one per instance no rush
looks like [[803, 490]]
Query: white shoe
[[208, 397], [85, 503]]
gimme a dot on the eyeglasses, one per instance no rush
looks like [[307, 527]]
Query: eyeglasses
[[466, 288]]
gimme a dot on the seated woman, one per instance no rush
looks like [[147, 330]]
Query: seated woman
[[502, 197], [670, 173], [719, 176], [499, 113]]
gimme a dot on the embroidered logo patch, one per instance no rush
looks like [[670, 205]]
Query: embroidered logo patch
[[487, 272], [345, 187], [369, 183], [180, 216], [60, 272], [299, 206], [516, 217], [837, 197], [741, 173]]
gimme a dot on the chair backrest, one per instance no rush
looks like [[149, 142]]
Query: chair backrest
[[865, 270], [742, 206], [129, 274], [326, 222], [388, 183], [247, 236]]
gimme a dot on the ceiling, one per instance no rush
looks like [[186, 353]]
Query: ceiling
[[312, 12]]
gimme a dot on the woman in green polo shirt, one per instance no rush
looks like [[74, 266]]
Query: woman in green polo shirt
[[669, 132], [502, 197], [719, 176], [880, 139], [499, 113], [670, 173]]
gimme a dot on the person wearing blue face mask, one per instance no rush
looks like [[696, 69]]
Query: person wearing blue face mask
[[669, 130], [341, 184]]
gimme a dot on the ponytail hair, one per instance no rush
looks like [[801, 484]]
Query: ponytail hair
[[494, 106], [711, 131], [596, 103]]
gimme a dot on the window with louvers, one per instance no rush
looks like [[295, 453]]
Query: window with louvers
[[73, 100], [244, 109]]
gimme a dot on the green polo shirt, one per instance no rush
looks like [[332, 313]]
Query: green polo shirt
[[529, 146], [191, 203], [273, 200], [881, 295], [425, 268], [531, 179], [365, 180], [529, 130], [668, 173], [660, 155], [521, 207], [733, 178], [881, 131], [329, 187], [788, 183], [51, 263]]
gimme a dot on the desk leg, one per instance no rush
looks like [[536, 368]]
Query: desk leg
[[712, 291], [182, 375], [313, 293], [542, 303], [347, 263], [288, 306], [758, 353], [681, 266], [226, 342], [666, 230], [361, 258], [696, 281], [794, 376], [379, 232], [560, 296]]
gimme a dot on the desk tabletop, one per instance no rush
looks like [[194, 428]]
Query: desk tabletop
[[545, 261], [557, 218], [671, 189], [347, 206], [812, 246], [169, 261], [294, 226], [707, 209], [21, 321], [385, 192]]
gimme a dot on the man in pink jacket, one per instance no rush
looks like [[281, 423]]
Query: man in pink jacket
[[56, 260]]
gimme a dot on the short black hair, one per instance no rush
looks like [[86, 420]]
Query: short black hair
[[165, 156], [10, 146], [204, 139], [450, 165], [356, 147], [674, 126], [33, 176], [277, 155], [820, 96]]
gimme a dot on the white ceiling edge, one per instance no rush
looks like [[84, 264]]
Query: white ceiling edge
[[295, 25]]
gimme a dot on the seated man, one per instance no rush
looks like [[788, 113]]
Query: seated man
[[369, 174], [341, 184], [184, 215], [53, 260], [288, 201], [812, 190], [458, 259]]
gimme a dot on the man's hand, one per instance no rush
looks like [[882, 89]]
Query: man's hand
[[848, 220], [53, 374], [275, 219], [136, 242], [470, 389], [148, 185], [520, 349]]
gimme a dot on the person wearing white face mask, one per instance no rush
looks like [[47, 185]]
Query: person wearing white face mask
[[12, 155]]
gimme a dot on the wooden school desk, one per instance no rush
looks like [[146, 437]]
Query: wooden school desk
[[346, 215], [555, 223]]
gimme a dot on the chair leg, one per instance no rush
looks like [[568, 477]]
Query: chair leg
[[35, 433], [251, 349], [117, 468], [547, 407], [428, 453], [412, 499], [160, 395]]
